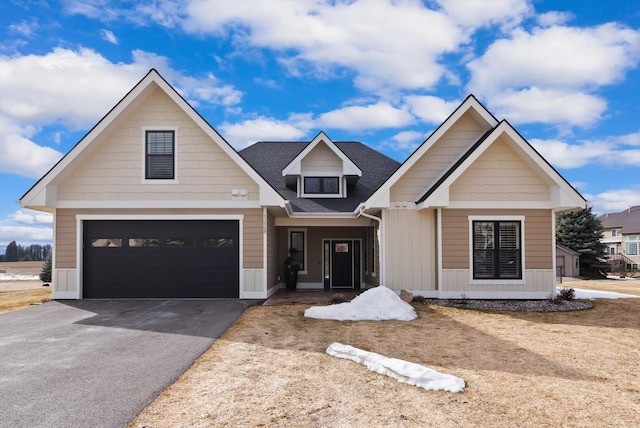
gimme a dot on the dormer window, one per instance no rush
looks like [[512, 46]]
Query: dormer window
[[322, 185]]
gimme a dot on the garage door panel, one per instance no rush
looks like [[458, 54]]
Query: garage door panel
[[134, 258]]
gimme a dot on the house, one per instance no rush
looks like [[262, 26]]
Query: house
[[153, 202], [621, 233], [567, 262]]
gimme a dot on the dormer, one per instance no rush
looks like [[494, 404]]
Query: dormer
[[321, 170]]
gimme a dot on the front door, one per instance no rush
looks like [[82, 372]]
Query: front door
[[344, 263]]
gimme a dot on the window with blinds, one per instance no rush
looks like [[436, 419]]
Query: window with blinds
[[497, 250], [160, 155]]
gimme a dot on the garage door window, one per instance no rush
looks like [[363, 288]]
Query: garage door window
[[106, 243], [180, 242], [144, 242], [217, 242]]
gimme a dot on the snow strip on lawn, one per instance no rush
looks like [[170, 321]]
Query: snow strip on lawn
[[375, 304], [18, 277], [595, 294], [403, 371]]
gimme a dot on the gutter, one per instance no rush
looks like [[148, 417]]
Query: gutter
[[360, 212]]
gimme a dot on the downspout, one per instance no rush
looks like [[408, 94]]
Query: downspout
[[361, 212]]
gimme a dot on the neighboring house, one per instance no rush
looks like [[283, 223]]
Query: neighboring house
[[153, 202], [567, 262], [621, 233]]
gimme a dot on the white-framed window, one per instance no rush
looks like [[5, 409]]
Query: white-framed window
[[298, 241], [160, 150], [632, 243], [496, 248], [615, 232]]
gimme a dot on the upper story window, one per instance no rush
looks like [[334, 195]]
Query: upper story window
[[160, 155], [633, 245], [322, 185], [615, 232]]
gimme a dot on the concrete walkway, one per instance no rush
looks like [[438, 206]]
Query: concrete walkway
[[98, 363]]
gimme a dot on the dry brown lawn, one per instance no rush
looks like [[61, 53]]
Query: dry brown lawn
[[21, 294], [269, 369]]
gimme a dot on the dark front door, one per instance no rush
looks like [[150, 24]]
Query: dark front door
[[342, 264], [160, 258]]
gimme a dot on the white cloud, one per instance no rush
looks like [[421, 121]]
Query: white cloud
[[375, 116], [430, 109], [408, 140], [481, 13], [614, 200], [396, 46], [25, 234], [557, 66], [26, 216], [21, 156], [41, 90], [613, 150], [109, 36], [25, 28], [243, 134], [548, 106], [549, 19]]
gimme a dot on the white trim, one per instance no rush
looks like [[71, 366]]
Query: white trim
[[439, 246], [295, 166], [345, 221], [341, 186], [144, 179], [490, 205], [168, 204], [80, 218], [64, 295], [306, 240], [265, 247], [519, 218]]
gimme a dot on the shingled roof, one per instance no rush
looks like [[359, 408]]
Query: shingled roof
[[270, 158], [627, 220]]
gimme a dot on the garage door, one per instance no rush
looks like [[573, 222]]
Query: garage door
[[160, 258]]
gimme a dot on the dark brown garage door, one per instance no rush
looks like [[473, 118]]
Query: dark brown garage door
[[160, 258]]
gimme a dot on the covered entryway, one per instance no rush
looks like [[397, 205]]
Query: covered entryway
[[160, 258]]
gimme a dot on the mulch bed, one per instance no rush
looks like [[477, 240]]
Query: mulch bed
[[512, 305]]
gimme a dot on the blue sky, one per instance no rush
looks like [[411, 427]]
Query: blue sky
[[565, 73]]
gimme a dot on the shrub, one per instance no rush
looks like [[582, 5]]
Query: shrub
[[419, 299], [567, 294]]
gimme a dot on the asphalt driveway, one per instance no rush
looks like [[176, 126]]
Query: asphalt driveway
[[98, 363]]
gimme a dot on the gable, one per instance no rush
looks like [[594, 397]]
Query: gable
[[438, 158], [321, 160], [499, 174], [156, 104], [114, 169]]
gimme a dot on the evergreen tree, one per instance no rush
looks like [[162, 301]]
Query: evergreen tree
[[11, 253], [45, 273], [581, 231]]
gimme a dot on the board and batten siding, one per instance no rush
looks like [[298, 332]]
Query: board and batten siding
[[66, 232], [114, 169], [321, 160], [439, 157], [410, 249], [499, 174], [539, 278]]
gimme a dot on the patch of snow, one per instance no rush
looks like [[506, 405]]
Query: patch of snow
[[403, 371], [595, 294], [18, 277], [626, 278], [375, 304]]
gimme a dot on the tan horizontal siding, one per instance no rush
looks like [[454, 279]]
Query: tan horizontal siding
[[439, 157], [537, 234], [114, 169], [499, 174], [321, 158]]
